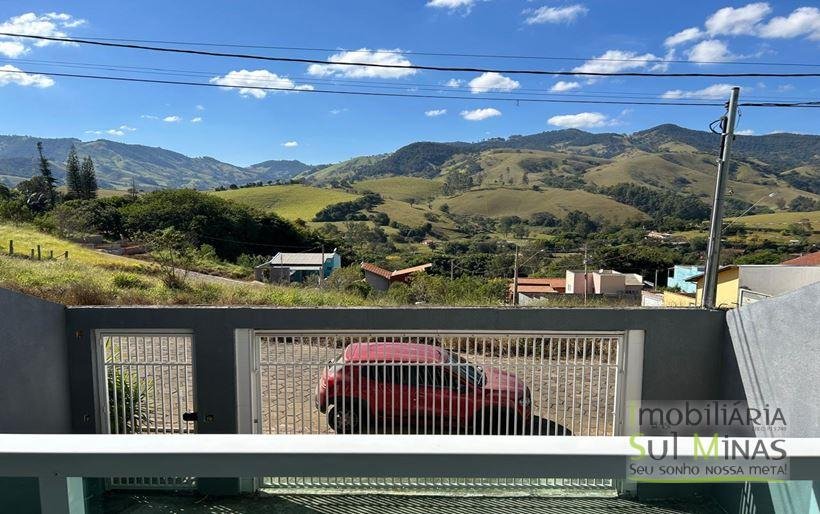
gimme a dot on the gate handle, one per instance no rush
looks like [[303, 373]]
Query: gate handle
[[190, 416]]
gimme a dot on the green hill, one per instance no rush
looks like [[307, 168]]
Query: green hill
[[505, 201], [405, 189], [289, 201]]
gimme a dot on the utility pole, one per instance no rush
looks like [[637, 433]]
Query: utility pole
[[716, 226], [515, 276], [452, 269]]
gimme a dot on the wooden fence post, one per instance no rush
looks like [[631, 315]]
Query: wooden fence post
[[11, 246], [51, 254], [32, 253], [66, 255], [39, 255]]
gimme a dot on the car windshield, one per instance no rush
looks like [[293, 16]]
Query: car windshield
[[466, 369]]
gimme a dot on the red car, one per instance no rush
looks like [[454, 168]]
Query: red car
[[396, 386]]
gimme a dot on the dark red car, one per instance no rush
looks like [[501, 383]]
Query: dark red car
[[394, 386]]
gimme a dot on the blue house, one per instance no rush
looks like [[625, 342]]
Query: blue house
[[679, 273], [298, 267]]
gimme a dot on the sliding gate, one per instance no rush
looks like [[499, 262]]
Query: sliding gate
[[569, 383]]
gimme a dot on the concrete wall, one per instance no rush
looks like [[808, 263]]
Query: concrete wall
[[377, 282], [776, 343], [34, 394], [776, 280]]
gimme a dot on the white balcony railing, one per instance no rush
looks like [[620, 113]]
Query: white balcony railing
[[57, 460]]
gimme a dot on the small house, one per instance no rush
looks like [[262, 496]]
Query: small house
[[380, 279], [297, 267]]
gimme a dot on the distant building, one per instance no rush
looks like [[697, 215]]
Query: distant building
[[297, 267], [677, 277], [747, 283], [380, 279], [531, 289], [604, 282], [651, 299]]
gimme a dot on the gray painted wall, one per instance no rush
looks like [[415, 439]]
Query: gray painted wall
[[777, 346], [377, 282], [34, 394], [682, 352]]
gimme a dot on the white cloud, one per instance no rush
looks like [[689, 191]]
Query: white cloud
[[149, 117], [196, 119], [171, 119], [200, 107], [49, 25], [338, 111], [115, 132], [480, 114], [802, 21], [715, 91], [546, 14], [738, 21], [245, 81], [613, 61], [746, 132], [785, 88], [452, 4], [684, 36], [454, 83], [492, 81], [290, 144], [580, 120], [126, 128], [12, 75], [366, 56], [564, 86], [435, 112], [711, 50]]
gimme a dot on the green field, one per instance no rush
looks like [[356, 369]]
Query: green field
[[526, 202], [404, 189], [289, 201], [780, 220]]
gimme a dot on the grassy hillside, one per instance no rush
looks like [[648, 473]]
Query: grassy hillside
[[689, 173], [525, 202], [780, 220], [404, 189], [289, 201], [89, 277]]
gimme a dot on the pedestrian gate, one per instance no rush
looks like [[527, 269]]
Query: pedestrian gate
[[146, 385]]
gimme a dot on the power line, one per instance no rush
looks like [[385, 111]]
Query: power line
[[406, 95], [448, 54], [370, 84], [455, 69]]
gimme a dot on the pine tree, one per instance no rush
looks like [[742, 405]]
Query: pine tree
[[49, 190], [73, 179], [88, 179]]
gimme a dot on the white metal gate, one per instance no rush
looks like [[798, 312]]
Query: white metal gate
[[146, 385], [530, 383]]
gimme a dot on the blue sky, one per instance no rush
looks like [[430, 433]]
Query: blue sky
[[244, 127]]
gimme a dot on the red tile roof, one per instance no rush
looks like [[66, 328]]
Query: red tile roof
[[540, 285], [372, 268], [810, 259], [398, 274]]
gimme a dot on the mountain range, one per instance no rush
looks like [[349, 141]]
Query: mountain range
[[666, 156], [117, 164]]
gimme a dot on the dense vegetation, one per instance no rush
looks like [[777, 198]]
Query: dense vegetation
[[349, 211], [659, 204]]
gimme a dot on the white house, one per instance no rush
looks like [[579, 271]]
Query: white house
[[297, 267]]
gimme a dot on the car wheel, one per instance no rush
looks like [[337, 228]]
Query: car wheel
[[501, 422], [345, 416]]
